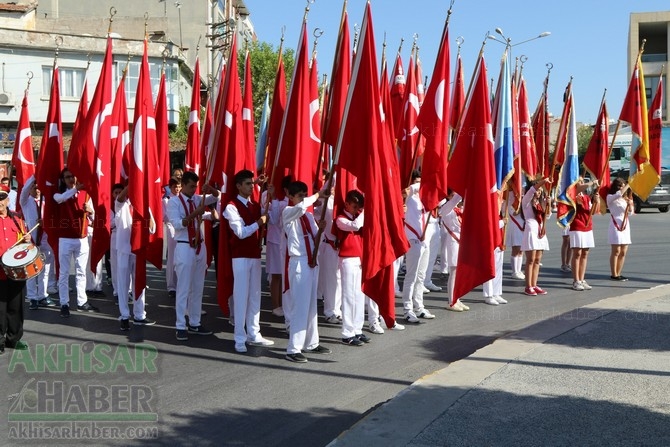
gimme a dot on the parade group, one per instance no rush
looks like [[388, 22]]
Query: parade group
[[320, 245]]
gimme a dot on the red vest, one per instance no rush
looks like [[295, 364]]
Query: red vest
[[582, 220], [72, 222], [248, 247], [350, 242]]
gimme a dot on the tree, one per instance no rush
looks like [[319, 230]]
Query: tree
[[584, 134], [264, 59]]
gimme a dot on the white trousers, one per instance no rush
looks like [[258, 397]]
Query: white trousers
[[246, 298], [113, 265], [353, 299], [330, 283], [170, 274], [396, 268], [452, 282], [37, 287], [93, 280], [433, 249], [373, 310], [493, 287], [443, 266], [125, 275], [416, 264], [191, 266], [303, 332], [67, 249]]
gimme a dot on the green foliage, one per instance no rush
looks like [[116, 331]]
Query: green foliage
[[264, 58], [584, 134], [179, 134]]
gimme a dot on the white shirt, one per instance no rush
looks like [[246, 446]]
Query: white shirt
[[275, 209], [12, 200], [318, 211], [415, 216], [29, 205], [350, 225], [240, 229], [449, 217], [124, 222], [295, 238], [176, 212]]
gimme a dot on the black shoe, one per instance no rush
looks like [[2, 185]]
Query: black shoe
[[319, 350], [65, 311], [86, 307], [622, 278], [352, 341], [297, 358], [172, 294], [182, 335], [47, 302], [125, 325], [145, 322], [34, 305], [95, 293], [2, 349], [363, 338], [19, 346], [199, 330]]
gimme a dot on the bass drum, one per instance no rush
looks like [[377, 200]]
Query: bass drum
[[22, 262]]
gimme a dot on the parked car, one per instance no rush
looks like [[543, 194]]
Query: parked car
[[659, 197]]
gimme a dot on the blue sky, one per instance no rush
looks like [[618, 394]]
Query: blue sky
[[589, 38]]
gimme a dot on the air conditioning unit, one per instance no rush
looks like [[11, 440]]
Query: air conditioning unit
[[7, 99]]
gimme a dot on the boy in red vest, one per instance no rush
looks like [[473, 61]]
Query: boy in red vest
[[301, 273], [244, 218], [349, 225]]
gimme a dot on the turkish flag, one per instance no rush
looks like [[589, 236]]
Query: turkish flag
[[144, 188], [409, 132], [75, 154], [22, 157], [192, 160], [120, 135], [50, 162], [365, 149], [433, 123], [338, 84], [457, 95], [274, 127], [205, 142], [299, 140], [94, 168], [527, 150], [398, 84], [472, 174], [162, 132]]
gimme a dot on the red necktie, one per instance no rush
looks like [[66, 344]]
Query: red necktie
[[193, 228]]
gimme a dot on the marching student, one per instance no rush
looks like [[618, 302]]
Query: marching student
[[451, 213], [534, 242], [174, 187], [12, 230], [418, 233], [349, 224], [125, 269], [245, 219], [113, 264], [190, 256], [37, 287], [621, 206], [330, 280], [581, 233], [274, 265], [75, 211], [515, 226], [302, 273]]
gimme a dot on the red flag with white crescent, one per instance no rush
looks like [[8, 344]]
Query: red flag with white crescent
[[22, 157]]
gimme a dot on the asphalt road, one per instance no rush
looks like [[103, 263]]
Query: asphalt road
[[206, 394]]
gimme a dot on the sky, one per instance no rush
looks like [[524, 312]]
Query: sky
[[588, 41]]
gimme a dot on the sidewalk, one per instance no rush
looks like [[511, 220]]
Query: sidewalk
[[599, 375]]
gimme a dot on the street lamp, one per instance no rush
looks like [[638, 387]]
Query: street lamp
[[508, 41]]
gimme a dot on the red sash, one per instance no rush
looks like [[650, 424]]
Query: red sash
[[192, 228]]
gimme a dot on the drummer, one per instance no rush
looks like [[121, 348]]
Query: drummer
[[12, 230]]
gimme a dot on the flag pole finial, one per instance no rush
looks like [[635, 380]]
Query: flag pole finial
[[146, 25], [112, 13], [59, 41], [30, 78]]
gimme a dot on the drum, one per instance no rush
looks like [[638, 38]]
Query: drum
[[22, 262]]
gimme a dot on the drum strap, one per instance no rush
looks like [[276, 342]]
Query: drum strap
[[19, 226]]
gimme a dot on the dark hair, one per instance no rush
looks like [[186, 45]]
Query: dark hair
[[416, 174], [174, 182], [243, 175], [189, 176], [4, 179], [616, 185], [286, 181], [117, 186], [354, 196], [61, 180], [297, 187]]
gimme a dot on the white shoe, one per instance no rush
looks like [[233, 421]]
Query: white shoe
[[518, 275], [240, 347], [463, 306], [565, 268], [334, 319], [456, 307], [425, 314], [432, 287], [397, 327], [375, 328], [398, 294], [491, 300], [577, 285], [411, 317], [278, 312], [261, 342], [500, 299], [586, 285], [425, 289]]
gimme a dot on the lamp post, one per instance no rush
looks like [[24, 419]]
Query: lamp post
[[508, 41], [181, 40]]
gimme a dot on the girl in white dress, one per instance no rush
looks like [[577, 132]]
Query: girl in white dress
[[621, 206], [534, 241]]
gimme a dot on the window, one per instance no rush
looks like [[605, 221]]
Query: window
[[133, 76], [71, 82]]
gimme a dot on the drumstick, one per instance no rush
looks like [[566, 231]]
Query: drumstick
[[21, 240]]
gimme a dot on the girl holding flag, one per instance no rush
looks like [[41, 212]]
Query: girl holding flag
[[534, 242]]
